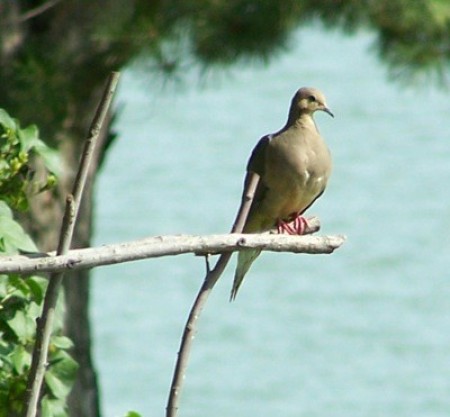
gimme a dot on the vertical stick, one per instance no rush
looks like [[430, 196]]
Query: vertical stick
[[251, 182], [45, 322]]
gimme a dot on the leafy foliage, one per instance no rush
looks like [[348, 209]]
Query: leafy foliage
[[132, 414], [21, 298], [17, 147]]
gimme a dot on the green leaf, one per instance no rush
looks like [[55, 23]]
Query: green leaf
[[61, 373], [57, 387], [52, 407], [20, 359], [18, 283], [62, 342], [3, 286], [7, 121], [4, 401], [14, 237], [22, 325], [36, 289], [29, 138], [132, 414], [5, 210], [50, 156]]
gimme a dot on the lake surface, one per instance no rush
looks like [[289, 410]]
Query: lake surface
[[362, 332]]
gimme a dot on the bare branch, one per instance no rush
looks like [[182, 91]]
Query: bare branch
[[30, 14], [154, 247], [276, 243], [251, 183], [45, 322]]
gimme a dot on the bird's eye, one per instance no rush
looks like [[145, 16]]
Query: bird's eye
[[311, 98]]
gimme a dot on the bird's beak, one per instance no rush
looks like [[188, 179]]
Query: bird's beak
[[327, 110]]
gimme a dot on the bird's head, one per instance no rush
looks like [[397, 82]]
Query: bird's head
[[308, 100]]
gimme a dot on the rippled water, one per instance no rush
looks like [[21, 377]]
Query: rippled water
[[363, 332]]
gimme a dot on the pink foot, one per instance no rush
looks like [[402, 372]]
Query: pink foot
[[297, 226]]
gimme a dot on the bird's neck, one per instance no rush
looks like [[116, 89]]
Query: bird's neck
[[301, 120]]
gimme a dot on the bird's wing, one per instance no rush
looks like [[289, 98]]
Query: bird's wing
[[257, 160], [255, 164]]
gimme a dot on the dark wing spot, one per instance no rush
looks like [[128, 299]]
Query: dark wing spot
[[257, 161]]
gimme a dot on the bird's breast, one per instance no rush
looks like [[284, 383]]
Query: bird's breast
[[296, 173]]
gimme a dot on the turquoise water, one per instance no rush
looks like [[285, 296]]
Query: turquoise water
[[363, 332]]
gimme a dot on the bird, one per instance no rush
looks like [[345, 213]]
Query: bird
[[293, 165]]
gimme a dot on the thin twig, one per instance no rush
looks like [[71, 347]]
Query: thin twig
[[45, 322], [208, 266], [30, 14], [44, 326], [211, 278], [158, 246]]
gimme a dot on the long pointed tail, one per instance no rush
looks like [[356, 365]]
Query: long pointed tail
[[245, 260]]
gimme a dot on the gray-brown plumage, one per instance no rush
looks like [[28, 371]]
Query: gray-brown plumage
[[294, 165]]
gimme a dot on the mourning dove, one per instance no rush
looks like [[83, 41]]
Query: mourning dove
[[294, 165]]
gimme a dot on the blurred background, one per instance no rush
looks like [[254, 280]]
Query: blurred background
[[362, 332]]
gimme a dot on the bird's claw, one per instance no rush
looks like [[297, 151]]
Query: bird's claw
[[297, 226]]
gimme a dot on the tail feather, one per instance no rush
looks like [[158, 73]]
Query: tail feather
[[245, 260]]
